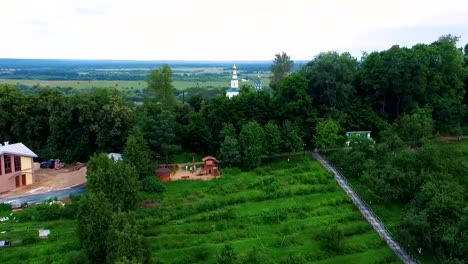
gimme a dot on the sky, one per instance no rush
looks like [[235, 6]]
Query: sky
[[219, 29]]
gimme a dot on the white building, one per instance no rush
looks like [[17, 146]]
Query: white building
[[234, 90]]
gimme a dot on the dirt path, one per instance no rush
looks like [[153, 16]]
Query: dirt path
[[46, 180]]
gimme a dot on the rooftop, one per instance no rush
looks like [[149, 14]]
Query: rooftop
[[233, 90], [18, 149]]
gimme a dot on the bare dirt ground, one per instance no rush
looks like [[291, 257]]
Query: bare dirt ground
[[45, 180], [182, 174]]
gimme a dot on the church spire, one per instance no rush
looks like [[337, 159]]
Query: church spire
[[234, 81], [234, 90], [258, 82]]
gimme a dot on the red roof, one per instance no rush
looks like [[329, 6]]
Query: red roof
[[163, 170], [210, 158]]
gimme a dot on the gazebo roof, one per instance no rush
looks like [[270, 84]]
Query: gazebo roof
[[163, 170], [209, 158]]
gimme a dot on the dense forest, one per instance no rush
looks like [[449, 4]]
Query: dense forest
[[404, 96]]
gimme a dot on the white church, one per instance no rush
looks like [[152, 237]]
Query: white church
[[234, 90]]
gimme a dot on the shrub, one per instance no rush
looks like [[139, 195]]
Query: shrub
[[46, 212], [76, 257], [227, 255], [272, 216], [69, 210], [5, 207], [253, 257], [293, 259], [208, 205], [223, 215], [153, 185], [30, 240], [201, 253], [332, 238], [72, 245], [26, 214]]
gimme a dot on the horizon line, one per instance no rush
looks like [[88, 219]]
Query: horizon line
[[153, 60]]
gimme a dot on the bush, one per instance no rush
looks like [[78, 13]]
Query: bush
[[332, 238], [253, 257], [26, 214], [30, 240], [76, 257], [153, 185], [293, 259], [69, 210], [227, 255], [5, 207], [201, 253], [272, 216], [47, 212], [223, 215]]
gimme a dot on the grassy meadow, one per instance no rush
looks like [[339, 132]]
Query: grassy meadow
[[180, 85], [278, 213]]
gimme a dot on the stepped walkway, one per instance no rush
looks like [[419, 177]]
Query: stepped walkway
[[366, 211]]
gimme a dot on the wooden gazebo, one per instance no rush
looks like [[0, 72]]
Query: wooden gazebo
[[164, 174], [210, 166]]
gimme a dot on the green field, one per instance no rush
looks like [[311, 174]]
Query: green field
[[274, 214], [180, 85]]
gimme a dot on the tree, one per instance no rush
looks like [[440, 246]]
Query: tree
[[390, 136], [160, 87], [291, 137], [151, 184], [197, 135], [83, 124], [159, 128], [251, 140], [93, 220], [118, 181], [327, 134], [125, 241], [292, 102], [415, 128], [280, 68], [228, 131], [331, 76], [137, 153], [229, 152], [272, 138]]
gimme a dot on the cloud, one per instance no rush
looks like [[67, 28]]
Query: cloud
[[219, 30]]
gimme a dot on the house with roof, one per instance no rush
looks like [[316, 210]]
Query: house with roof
[[16, 166], [363, 134]]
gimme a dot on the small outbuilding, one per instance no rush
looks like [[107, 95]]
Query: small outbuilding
[[210, 166], [363, 134], [44, 233], [164, 174], [115, 156]]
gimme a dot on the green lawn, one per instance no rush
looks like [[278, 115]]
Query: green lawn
[[273, 214]]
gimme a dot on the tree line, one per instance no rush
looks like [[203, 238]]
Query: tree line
[[370, 94]]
